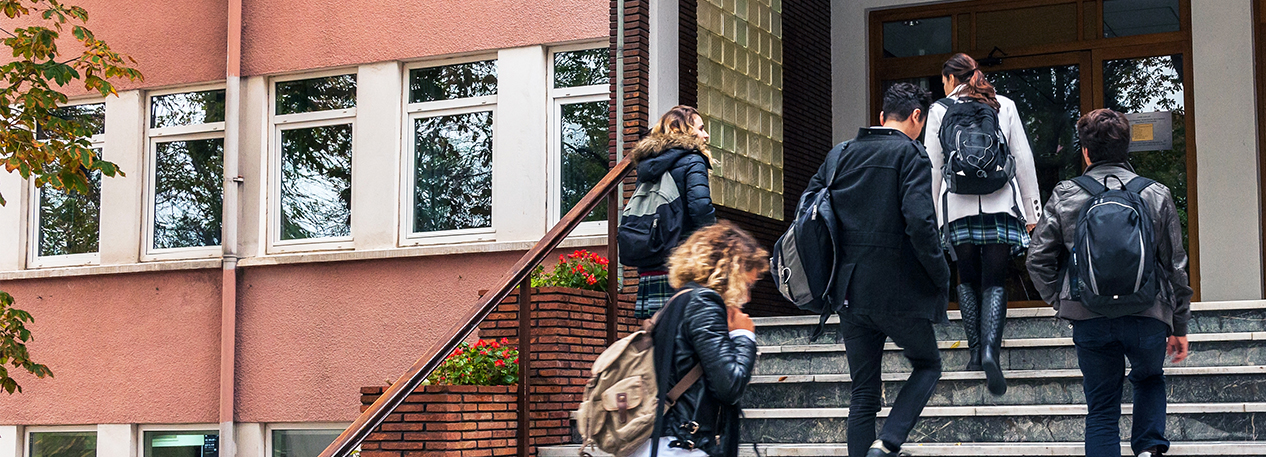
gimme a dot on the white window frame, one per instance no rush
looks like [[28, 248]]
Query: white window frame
[[423, 110], [28, 430], [153, 136], [140, 433], [279, 123], [284, 426], [34, 259], [559, 97]]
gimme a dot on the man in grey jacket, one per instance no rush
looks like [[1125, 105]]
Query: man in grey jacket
[[1103, 344]]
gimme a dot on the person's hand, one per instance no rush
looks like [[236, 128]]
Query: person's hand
[[1177, 348], [1030, 227], [739, 320]]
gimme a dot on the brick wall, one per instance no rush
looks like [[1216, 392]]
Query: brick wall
[[466, 421], [569, 329]]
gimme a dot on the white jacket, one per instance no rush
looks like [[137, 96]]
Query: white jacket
[[1002, 201]]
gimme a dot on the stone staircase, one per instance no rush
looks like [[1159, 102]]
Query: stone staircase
[[797, 403]]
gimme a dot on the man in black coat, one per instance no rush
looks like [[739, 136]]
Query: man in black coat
[[892, 271]]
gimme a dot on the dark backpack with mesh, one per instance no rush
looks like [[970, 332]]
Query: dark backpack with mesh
[[977, 158], [1114, 251]]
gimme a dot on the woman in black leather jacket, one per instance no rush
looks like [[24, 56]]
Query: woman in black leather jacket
[[720, 263]]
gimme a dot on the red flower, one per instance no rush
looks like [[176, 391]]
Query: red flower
[[561, 258], [505, 341], [483, 352], [589, 279], [516, 360], [499, 363], [495, 345]]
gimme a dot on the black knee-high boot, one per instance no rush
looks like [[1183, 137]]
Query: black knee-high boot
[[969, 306], [993, 304]]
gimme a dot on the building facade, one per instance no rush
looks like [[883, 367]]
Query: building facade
[[316, 192]]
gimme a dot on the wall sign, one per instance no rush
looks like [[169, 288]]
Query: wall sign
[[1151, 131]]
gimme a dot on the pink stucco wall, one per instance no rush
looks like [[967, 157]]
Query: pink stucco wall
[[144, 347], [288, 35], [174, 43], [123, 348], [309, 336]]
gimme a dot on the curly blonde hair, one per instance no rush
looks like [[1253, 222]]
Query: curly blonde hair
[[719, 257]]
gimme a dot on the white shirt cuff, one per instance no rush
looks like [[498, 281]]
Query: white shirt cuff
[[742, 332]]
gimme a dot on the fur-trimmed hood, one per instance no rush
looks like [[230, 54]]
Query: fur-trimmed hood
[[658, 143]]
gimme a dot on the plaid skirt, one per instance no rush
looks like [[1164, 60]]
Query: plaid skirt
[[653, 292], [993, 228]]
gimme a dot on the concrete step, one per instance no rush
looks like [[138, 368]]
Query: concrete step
[[1035, 423], [1025, 387], [1207, 349], [1213, 317], [1209, 448]]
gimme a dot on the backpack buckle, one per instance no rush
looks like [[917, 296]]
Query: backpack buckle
[[683, 444], [692, 427]]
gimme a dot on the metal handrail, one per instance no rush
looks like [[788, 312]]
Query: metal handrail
[[396, 394]]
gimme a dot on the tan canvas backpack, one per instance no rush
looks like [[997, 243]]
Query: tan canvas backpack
[[618, 411]]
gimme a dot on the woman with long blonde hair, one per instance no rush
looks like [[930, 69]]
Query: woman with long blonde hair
[[678, 144], [717, 267]]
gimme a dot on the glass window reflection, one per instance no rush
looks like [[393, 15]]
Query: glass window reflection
[[917, 37], [316, 94], [188, 193], [585, 160], [316, 182], [1140, 17], [582, 68], [453, 172], [1154, 84], [474, 79], [189, 108], [63, 444], [91, 116], [69, 221], [302, 443]]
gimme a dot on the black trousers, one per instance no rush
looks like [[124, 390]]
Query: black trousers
[[864, 338]]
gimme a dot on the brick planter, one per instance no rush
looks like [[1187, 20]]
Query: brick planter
[[569, 332], [465, 421]]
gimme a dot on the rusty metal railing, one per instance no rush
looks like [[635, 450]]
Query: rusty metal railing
[[607, 188]]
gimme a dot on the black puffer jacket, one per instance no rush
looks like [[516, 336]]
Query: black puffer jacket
[[701, 336], [680, 155]]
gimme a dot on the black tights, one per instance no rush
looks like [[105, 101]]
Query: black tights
[[983, 266]]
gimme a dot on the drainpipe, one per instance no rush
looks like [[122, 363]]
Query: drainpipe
[[228, 230]]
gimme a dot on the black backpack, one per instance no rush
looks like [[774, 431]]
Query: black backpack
[[977, 158], [651, 223], [1114, 252], [804, 260]]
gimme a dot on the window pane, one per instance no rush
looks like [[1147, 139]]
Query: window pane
[[1049, 102], [64, 444], [1154, 85], [182, 444], [70, 221], [302, 443], [585, 158], [582, 68], [1139, 17], [188, 192], [917, 37], [453, 174], [316, 182], [448, 82], [91, 116], [317, 94], [187, 109]]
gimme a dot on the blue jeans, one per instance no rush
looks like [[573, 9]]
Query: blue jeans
[[1103, 345], [864, 339]]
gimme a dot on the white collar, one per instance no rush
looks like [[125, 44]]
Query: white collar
[[956, 90]]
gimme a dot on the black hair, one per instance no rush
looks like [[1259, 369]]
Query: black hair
[[902, 99], [1106, 136]]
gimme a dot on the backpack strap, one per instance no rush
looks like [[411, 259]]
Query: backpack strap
[[837, 151], [686, 381], [1138, 184], [1090, 185], [945, 102]]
